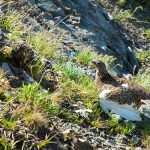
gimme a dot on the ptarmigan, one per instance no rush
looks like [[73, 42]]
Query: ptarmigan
[[119, 95]]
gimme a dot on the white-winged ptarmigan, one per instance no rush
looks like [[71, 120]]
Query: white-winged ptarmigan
[[120, 96]]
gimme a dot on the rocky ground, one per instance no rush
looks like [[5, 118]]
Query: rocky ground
[[133, 28], [47, 92]]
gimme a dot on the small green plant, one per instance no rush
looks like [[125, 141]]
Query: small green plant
[[97, 123], [42, 42], [86, 81], [31, 92], [143, 56], [86, 56], [126, 128], [70, 117], [5, 144], [1, 74], [9, 124], [35, 117], [12, 21], [143, 78], [121, 2], [145, 132], [113, 122], [37, 69], [45, 142], [36, 103], [123, 15], [71, 71]]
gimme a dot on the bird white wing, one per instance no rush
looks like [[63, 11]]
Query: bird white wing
[[125, 111]]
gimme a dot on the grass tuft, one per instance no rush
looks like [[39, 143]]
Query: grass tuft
[[86, 56], [71, 71], [123, 15], [147, 32], [143, 78], [125, 127], [44, 45], [121, 2]]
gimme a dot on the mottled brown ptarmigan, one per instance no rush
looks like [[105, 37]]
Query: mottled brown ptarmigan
[[119, 95]]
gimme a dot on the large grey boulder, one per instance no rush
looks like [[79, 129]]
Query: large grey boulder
[[96, 28]]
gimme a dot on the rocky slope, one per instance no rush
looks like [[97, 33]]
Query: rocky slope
[[89, 22], [47, 92]]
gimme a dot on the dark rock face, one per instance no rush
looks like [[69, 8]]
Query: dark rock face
[[89, 20]]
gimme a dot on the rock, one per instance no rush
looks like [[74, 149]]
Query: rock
[[139, 148], [62, 146], [7, 69], [90, 17], [50, 23], [3, 38], [135, 139], [27, 78], [31, 22], [117, 117], [31, 2], [111, 142], [49, 6], [68, 131], [122, 139], [83, 112], [102, 134], [145, 109], [82, 144]]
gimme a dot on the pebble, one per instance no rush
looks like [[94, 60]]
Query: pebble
[[7, 69], [135, 139]]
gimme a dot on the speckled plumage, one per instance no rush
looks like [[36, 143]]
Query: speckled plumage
[[121, 91]]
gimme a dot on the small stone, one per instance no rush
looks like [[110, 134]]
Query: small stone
[[68, 131], [27, 78], [135, 139], [117, 117], [122, 139], [102, 134], [110, 142], [139, 148], [6, 69], [82, 144]]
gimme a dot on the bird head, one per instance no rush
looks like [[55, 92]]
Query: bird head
[[101, 67]]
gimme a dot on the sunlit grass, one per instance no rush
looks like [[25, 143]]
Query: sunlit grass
[[121, 2], [36, 107], [86, 56], [125, 128], [123, 15], [147, 32], [43, 44], [143, 78], [72, 71]]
